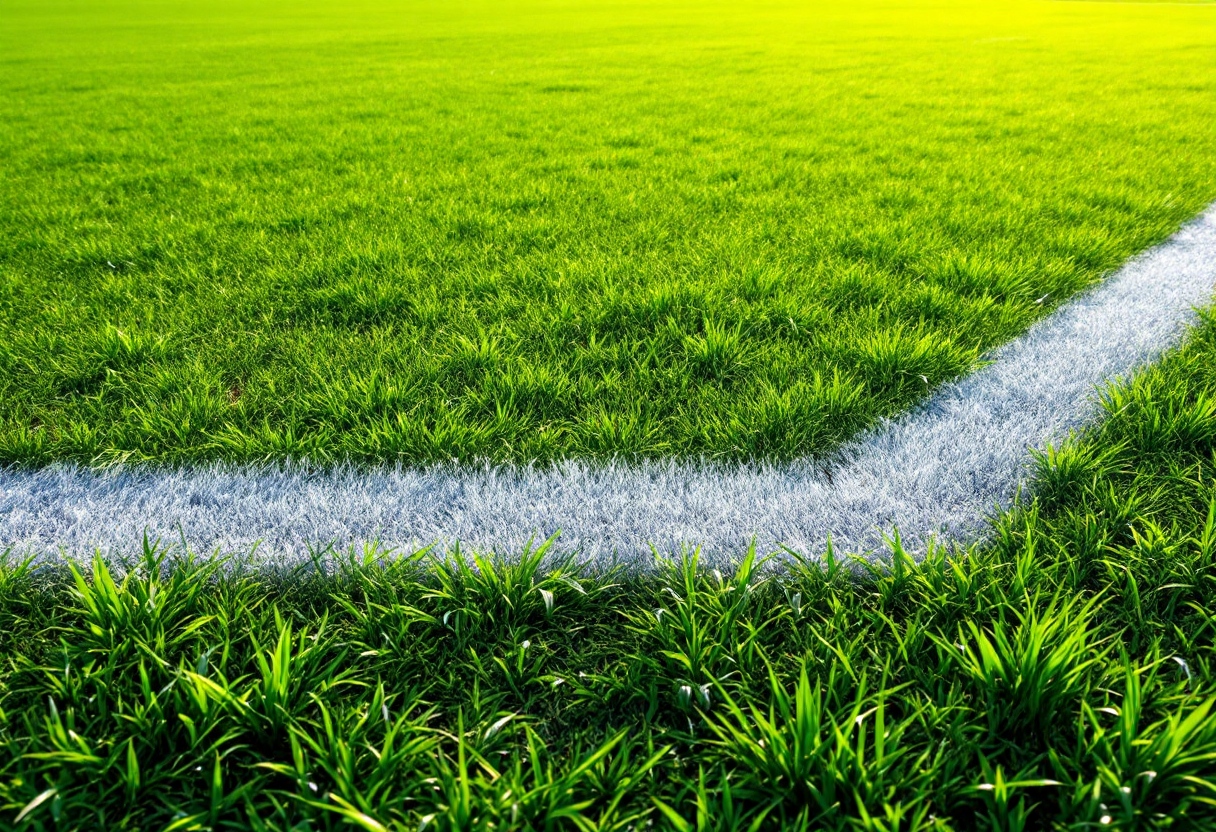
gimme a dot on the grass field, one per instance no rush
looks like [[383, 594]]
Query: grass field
[[1061, 677], [536, 230], [533, 230]]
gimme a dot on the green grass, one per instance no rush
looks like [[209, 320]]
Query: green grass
[[1062, 676], [534, 230]]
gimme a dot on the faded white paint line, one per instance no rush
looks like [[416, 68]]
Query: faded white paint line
[[941, 469]]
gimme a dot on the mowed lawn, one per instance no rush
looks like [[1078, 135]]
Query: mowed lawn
[[1061, 677], [530, 230]]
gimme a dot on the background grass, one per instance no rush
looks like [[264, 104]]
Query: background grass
[[535, 229], [1062, 676]]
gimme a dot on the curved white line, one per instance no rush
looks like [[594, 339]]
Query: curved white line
[[940, 469]]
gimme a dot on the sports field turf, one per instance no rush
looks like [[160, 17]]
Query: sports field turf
[[413, 231], [535, 230], [1061, 677]]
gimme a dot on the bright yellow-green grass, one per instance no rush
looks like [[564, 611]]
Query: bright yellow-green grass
[[529, 230]]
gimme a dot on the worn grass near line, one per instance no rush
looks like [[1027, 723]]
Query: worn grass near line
[[1061, 677], [537, 230]]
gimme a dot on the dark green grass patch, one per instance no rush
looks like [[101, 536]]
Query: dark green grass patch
[[527, 231], [1062, 676]]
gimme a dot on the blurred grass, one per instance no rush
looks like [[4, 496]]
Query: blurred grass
[[531, 230], [1059, 677]]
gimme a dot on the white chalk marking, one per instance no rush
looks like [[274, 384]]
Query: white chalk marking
[[941, 469]]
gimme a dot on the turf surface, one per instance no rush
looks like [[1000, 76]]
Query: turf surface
[[941, 469], [536, 230], [1063, 677]]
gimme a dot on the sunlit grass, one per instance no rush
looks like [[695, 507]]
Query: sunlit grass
[[535, 230], [1061, 676]]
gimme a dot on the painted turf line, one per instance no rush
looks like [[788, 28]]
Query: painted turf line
[[941, 469]]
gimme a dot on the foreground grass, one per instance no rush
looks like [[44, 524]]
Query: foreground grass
[[1059, 677], [533, 230]]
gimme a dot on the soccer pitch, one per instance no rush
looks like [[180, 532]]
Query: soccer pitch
[[536, 231], [651, 273]]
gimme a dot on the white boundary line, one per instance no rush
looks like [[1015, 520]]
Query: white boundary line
[[941, 469]]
